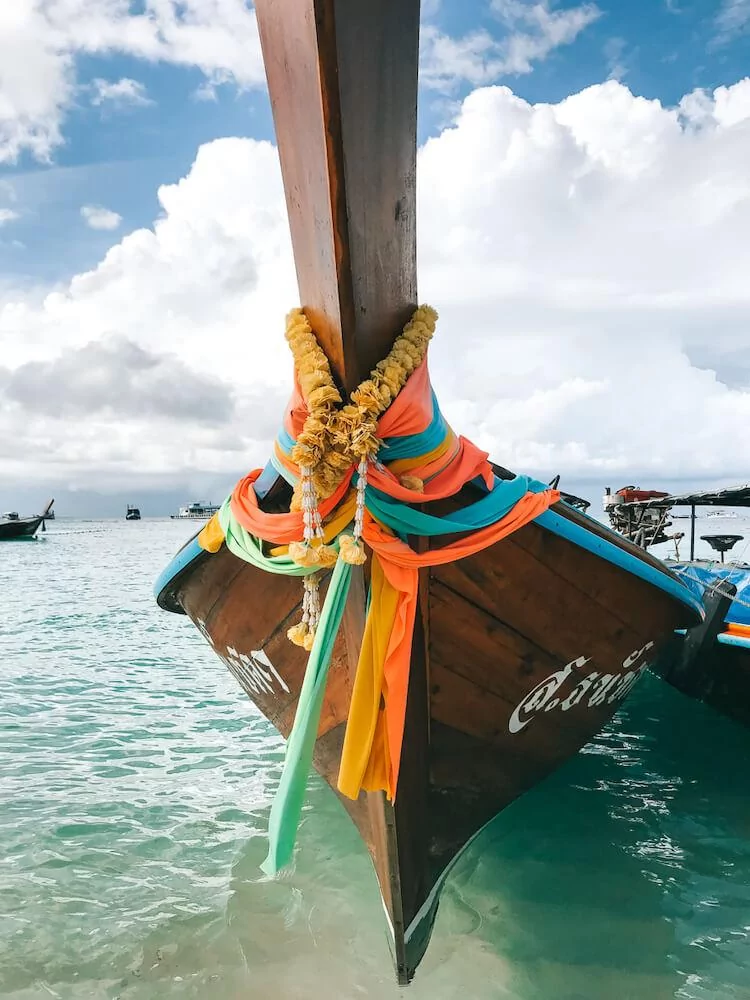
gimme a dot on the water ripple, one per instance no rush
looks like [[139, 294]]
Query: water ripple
[[135, 782]]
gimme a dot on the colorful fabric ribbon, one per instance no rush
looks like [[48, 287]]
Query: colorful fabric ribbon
[[416, 442]]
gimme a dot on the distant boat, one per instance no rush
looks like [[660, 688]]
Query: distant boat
[[198, 511], [132, 513], [721, 513], [12, 526]]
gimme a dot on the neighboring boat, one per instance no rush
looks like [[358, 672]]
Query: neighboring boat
[[503, 626], [13, 527], [639, 515], [578, 503], [712, 661], [132, 513], [198, 511]]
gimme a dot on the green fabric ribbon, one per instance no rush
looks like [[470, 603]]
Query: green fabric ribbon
[[246, 546], [287, 804]]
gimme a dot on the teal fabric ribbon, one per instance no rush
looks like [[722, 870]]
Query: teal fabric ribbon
[[489, 509], [287, 805]]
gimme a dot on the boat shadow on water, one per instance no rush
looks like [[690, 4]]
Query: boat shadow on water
[[625, 874]]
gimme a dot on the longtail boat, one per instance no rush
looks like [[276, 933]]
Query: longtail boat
[[13, 527], [710, 662], [457, 631]]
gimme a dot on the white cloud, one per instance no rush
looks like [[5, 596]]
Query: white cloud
[[206, 92], [98, 217], [7, 215], [732, 19], [614, 53], [726, 106], [40, 40], [589, 260], [121, 93], [478, 58]]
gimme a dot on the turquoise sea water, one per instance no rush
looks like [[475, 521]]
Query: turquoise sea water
[[135, 783]]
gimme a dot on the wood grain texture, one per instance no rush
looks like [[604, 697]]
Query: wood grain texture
[[342, 75]]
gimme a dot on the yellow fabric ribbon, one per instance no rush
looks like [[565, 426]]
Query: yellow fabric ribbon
[[365, 762], [211, 535], [407, 464]]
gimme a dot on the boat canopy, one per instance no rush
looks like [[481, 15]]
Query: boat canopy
[[732, 496]]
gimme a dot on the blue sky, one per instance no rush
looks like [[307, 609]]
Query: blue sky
[[555, 226], [117, 154]]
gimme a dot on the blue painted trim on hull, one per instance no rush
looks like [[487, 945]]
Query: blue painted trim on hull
[[549, 520], [620, 557], [727, 639], [187, 554]]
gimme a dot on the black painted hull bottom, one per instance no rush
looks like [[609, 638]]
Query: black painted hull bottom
[[719, 676], [21, 529]]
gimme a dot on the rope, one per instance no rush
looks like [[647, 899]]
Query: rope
[[714, 587]]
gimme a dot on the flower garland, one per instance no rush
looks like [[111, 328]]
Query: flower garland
[[335, 437]]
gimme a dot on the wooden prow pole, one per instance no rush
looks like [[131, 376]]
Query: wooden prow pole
[[342, 77]]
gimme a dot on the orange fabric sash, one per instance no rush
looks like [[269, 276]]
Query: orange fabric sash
[[279, 528], [400, 565]]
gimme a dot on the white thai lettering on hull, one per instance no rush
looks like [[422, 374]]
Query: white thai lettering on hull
[[253, 670], [598, 689]]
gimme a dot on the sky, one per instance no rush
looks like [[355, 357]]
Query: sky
[[583, 220]]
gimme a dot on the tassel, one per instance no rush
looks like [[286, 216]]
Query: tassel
[[303, 633], [299, 552], [324, 556], [297, 633], [351, 550]]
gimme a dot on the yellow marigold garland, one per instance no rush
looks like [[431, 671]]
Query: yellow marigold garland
[[336, 436]]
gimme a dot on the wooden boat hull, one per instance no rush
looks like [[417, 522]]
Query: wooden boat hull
[[721, 679], [23, 528], [521, 652], [526, 651], [711, 662]]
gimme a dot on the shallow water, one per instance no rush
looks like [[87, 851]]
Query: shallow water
[[135, 783]]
